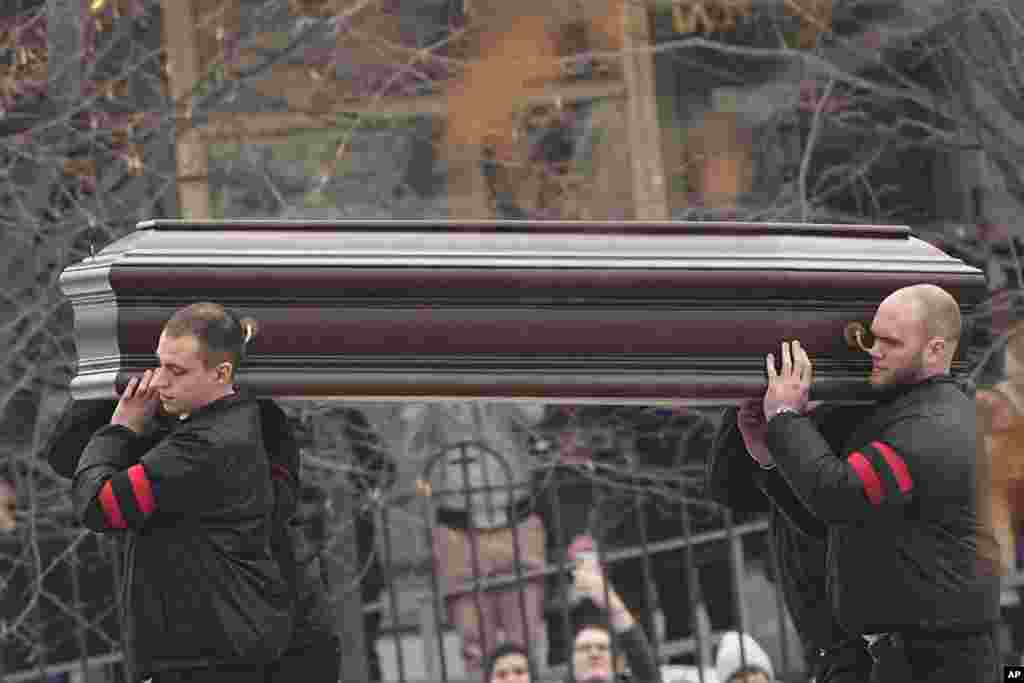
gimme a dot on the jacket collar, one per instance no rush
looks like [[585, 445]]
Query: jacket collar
[[899, 391], [217, 406]]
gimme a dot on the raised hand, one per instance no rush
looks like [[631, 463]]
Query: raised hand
[[590, 581], [138, 404], [790, 387]]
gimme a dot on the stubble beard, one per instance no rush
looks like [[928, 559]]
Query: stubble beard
[[901, 377]]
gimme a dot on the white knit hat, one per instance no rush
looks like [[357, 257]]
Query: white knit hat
[[727, 661]]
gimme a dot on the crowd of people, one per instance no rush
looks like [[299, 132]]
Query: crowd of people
[[891, 537]]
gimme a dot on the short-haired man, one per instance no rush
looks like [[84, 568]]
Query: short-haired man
[[203, 598], [911, 564]]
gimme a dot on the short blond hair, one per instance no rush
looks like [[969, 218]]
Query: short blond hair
[[937, 311]]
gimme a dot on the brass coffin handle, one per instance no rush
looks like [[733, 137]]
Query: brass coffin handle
[[858, 336]]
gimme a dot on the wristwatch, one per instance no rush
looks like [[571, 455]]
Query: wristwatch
[[784, 409]]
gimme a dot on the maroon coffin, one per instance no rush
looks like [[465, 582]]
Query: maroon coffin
[[612, 312]]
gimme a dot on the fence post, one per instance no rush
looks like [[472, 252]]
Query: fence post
[[432, 642], [739, 572], [704, 660]]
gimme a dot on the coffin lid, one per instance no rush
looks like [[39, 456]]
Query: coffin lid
[[624, 312]]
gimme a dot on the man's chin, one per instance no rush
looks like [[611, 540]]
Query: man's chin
[[890, 382]]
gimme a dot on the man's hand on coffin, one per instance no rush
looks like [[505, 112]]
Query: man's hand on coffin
[[790, 388], [138, 404], [752, 424]]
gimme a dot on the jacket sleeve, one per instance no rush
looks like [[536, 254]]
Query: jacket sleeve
[[774, 485], [841, 487], [730, 469], [106, 461], [736, 480], [114, 489]]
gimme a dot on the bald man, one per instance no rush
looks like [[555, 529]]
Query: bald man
[[912, 566]]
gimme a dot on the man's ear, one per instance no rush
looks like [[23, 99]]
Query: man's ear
[[937, 347]]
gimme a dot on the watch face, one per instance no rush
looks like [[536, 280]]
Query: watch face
[[785, 409]]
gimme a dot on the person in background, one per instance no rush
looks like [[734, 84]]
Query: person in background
[[508, 663], [606, 628], [611, 474], [1001, 411], [603, 628], [748, 663]]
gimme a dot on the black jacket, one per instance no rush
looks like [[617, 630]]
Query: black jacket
[[312, 617], [907, 548], [798, 538], [200, 585]]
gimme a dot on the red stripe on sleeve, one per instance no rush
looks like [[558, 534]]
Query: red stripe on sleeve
[[108, 501], [280, 472], [896, 464], [868, 476], [143, 489]]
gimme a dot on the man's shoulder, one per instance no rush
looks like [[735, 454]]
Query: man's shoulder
[[938, 418], [226, 420], [940, 397], [837, 422]]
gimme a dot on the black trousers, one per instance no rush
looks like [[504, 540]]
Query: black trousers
[[915, 657]]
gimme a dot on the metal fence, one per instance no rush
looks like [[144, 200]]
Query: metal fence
[[638, 483]]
